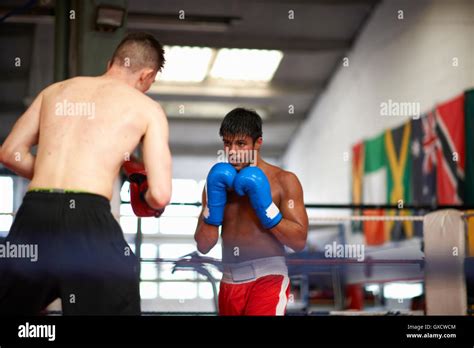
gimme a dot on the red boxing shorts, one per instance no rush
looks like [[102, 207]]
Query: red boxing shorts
[[256, 287]]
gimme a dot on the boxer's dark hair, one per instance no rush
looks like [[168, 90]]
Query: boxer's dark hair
[[241, 121], [139, 50]]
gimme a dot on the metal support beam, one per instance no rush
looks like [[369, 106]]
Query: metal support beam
[[61, 40]]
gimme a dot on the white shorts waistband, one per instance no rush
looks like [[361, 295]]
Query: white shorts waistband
[[248, 271]]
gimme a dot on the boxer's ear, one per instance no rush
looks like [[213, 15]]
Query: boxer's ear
[[109, 65], [147, 74], [146, 77], [258, 143]]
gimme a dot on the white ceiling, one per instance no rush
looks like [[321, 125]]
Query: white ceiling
[[313, 44]]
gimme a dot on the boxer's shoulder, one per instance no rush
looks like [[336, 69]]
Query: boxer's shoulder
[[276, 172], [286, 175], [153, 111], [74, 84], [160, 112], [286, 179], [73, 81]]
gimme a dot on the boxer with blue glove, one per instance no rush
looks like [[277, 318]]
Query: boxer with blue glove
[[251, 181], [261, 210], [219, 180]]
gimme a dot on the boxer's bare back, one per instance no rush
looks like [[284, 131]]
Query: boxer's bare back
[[85, 128]]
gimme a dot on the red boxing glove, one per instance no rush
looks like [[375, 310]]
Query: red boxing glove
[[136, 174]]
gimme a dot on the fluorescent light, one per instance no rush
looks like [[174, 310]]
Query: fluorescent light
[[246, 64], [186, 64]]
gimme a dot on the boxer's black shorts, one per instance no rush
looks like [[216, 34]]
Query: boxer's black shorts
[[82, 257]]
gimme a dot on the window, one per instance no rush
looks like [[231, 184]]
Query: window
[[129, 224], [178, 290], [205, 291], [170, 237], [148, 290], [149, 271], [6, 204], [403, 290], [185, 191], [149, 251], [150, 225], [178, 225]]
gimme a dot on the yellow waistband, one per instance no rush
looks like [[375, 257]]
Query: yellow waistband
[[55, 190]]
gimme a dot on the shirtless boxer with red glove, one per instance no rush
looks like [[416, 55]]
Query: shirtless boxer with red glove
[[261, 209], [83, 257], [136, 174]]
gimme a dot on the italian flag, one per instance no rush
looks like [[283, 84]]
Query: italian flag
[[374, 187]]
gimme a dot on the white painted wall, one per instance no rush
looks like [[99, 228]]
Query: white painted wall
[[409, 60]]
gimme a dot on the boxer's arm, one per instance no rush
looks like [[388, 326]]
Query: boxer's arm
[[16, 150], [206, 236], [293, 228], [157, 159]]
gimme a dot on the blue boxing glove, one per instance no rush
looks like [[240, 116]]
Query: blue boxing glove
[[251, 181], [220, 178]]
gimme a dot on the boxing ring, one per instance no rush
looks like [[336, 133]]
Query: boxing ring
[[301, 265]]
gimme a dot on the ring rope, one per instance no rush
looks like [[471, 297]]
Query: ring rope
[[213, 261], [365, 218]]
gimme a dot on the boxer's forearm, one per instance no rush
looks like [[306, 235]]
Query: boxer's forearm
[[206, 237], [156, 202], [291, 234], [21, 164]]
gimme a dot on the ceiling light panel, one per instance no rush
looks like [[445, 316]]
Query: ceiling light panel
[[186, 64], [246, 64]]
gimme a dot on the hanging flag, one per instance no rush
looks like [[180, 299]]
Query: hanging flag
[[469, 188], [423, 153], [423, 150], [469, 136], [397, 147], [357, 178], [450, 152], [374, 188]]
